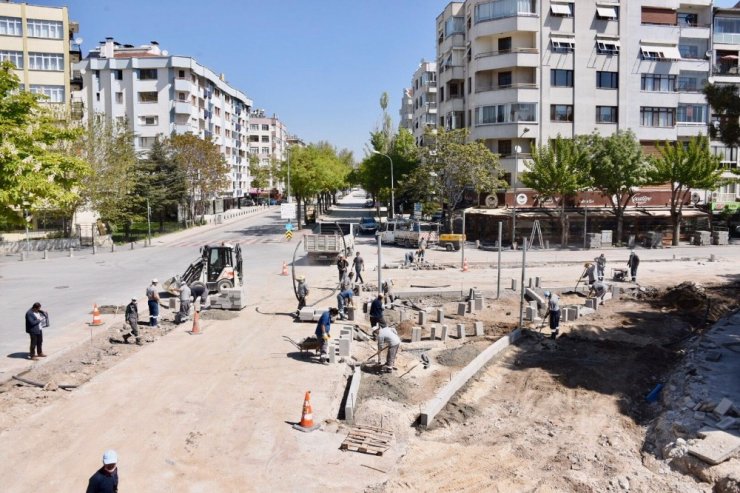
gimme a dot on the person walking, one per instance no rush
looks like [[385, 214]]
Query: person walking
[[36, 320], [553, 311], [152, 296], [301, 292], [376, 312], [323, 328], [633, 262], [344, 299], [105, 479], [342, 266], [185, 296], [359, 264], [387, 336], [132, 318], [600, 266]]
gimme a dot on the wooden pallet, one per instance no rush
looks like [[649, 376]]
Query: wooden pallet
[[368, 440]]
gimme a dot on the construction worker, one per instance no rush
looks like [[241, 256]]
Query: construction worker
[[590, 272], [36, 320], [598, 290], [387, 336], [342, 266], [184, 312], [105, 479], [553, 311], [301, 291], [388, 296], [344, 298], [376, 312], [152, 296], [408, 259], [132, 318], [633, 262], [200, 295], [359, 264], [322, 332], [347, 282], [600, 266]]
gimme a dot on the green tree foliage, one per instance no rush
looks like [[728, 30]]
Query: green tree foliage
[[160, 180], [685, 168], [262, 175], [35, 170], [204, 168], [558, 171], [451, 164], [618, 169], [725, 103]]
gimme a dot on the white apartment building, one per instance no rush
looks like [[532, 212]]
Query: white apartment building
[[520, 72], [38, 41], [159, 94], [424, 93], [268, 140], [407, 110]]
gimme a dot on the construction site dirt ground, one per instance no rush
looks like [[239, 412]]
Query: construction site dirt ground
[[205, 413]]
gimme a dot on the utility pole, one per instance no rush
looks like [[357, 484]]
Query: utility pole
[[380, 266], [149, 222], [517, 150], [289, 199], [524, 271], [498, 267]]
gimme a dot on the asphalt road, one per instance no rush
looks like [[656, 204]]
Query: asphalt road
[[68, 287]]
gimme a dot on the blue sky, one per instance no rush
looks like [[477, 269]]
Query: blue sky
[[319, 65]]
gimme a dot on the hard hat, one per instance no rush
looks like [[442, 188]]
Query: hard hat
[[154, 281], [110, 457], [133, 298], [301, 278], [548, 294], [587, 264]]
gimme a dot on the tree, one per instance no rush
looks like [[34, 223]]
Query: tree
[[35, 170], [204, 168], [262, 175], [685, 168], [618, 169], [558, 171], [452, 165], [725, 103]]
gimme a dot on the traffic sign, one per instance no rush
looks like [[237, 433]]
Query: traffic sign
[[288, 235], [287, 211], [289, 227]]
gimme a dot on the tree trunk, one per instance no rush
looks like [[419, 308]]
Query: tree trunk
[[298, 210], [563, 225], [676, 220], [161, 220], [620, 225]]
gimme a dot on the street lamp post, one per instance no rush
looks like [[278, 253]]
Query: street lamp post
[[517, 150], [288, 154], [393, 196]]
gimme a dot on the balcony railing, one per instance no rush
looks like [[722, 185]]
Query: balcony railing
[[506, 52], [726, 38], [491, 87], [725, 70]]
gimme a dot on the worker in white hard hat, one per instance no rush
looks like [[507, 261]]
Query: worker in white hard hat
[[132, 318], [105, 479], [301, 291], [553, 311], [152, 296]]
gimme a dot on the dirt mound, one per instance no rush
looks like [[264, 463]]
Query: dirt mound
[[459, 356], [686, 295], [701, 304], [387, 386], [111, 309], [218, 315], [404, 329]]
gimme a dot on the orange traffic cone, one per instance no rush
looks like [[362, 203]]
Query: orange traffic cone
[[285, 269], [307, 423], [196, 325], [465, 265], [96, 316]]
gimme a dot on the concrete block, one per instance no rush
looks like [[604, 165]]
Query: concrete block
[[307, 314], [537, 282], [461, 307], [607, 296], [173, 303], [470, 307], [440, 315], [435, 333], [584, 310], [716, 447], [345, 347], [616, 290], [530, 314], [354, 390], [416, 334], [726, 422], [514, 285], [422, 318], [461, 331], [402, 315], [591, 303], [573, 313], [723, 406], [531, 294], [533, 304], [530, 283], [478, 302], [564, 314], [479, 332], [444, 334]]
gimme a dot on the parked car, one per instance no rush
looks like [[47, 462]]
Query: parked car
[[248, 202], [368, 225], [369, 203]]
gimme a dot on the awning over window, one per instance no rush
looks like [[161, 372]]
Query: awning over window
[[563, 41], [652, 51], [561, 9], [606, 12]]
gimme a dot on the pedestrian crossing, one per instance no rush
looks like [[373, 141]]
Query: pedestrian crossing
[[241, 240]]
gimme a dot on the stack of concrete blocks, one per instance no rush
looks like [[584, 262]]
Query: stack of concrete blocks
[[533, 295], [344, 343], [230, 299], [479, 332], [461, 331], [592, 303], [720, 237], [701, 238], [415, 334], [309, 314], [573, 312]]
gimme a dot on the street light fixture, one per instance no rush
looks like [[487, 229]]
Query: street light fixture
[[393, 196], [517, 151]]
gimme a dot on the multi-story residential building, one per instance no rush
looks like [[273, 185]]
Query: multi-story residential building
[[407, 110], [725, 71], [268, 141], [38, 41], [520, 72], [424, 93], [158, 94]]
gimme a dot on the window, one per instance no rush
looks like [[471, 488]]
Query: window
[[46, 61], [606, 114], [146, 142], [660, 52], [148, 97], [265, 127], [687, 19], [54, 94], [180, 74], [505, 113], [147, 74], [561, 9], [504, 44], [499, 9], [561, 112], [691, 113], [119, 98], [118, 74], [658, 83], [38, 28], [691, 81], [607, 12], [217, 111], [454, 25], [562, 44], [607, 80], [182, 96], [217, 130], [504, 147], [689, 51], [14, 57], [654, 15], [657, 117], [266, 138], [254, 150], [561, 78], [254, 138], [504, 79], [607, 46], [11, 26], [254, 126], [149, 120], [265, 150]]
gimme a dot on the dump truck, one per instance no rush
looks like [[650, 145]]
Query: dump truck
[[219, 269], [329, 240], [407, 233]]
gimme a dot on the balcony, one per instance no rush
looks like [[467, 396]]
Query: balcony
[[183, 85], [690, 129], [494, 87], [518, 57], [183, 107], [452, 72]]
